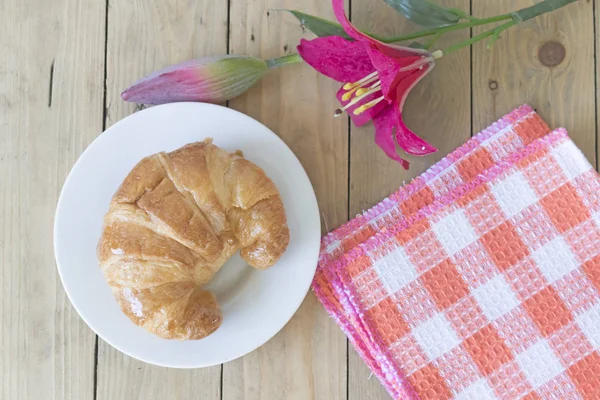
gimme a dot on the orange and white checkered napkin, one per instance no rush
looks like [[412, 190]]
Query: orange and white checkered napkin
[[481, 278]]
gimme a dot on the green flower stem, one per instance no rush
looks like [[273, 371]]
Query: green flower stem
[[441, 31], [432, 41], [463, 15], [285, 60], [492, 32], [516, 18], [538, 9]]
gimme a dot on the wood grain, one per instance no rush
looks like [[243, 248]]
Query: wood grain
[[438, 109], [50, 110], [307, 359], [144, 36], [52, 83], [564, 95]]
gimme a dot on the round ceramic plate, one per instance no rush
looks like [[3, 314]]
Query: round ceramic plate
[[255, 304]]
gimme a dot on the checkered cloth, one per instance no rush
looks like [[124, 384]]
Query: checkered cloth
[[481, 278]]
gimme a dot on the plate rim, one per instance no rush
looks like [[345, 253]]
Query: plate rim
[[101, 137]]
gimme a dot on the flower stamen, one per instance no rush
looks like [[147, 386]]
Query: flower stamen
[[366, 106], [371, 83], [362, 91], [350, 85], [348, 95], [357, 99]]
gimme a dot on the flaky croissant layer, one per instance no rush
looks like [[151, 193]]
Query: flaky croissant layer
[[175, 220]]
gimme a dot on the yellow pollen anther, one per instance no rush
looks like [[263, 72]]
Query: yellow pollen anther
[[360, 109], [366, 106], [339, 111], [362, 91], [348, 95], [359, 83]]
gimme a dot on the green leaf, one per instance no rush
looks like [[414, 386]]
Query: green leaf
[[319, 26], [424, 13]]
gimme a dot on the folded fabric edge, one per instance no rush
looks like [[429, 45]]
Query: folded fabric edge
[[345, 280], [355, 333], [331, 293]]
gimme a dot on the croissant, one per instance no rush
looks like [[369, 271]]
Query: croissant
[[175, 220]]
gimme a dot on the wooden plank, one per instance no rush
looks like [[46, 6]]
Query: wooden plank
[[50, 109], [438, 109], [142, 37], [307, 359], [512, 73]]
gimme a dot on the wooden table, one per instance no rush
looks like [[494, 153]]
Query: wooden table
[[63, 65]]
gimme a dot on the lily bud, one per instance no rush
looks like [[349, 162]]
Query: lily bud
[[208, 79]]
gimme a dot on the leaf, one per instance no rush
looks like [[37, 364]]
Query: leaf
[[319, 26], [424, 13]]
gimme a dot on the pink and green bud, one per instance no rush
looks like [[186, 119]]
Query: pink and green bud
[[208, 79]]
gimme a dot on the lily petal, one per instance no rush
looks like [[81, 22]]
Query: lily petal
[[384, 134], [336, 57], [407, 83], [366, 115], [390, 50], [390, 70], [398, 51], [340, 15], [409, 141]]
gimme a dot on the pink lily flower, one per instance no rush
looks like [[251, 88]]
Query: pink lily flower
[[377, 78]]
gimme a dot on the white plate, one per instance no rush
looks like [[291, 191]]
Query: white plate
[[255, 304]]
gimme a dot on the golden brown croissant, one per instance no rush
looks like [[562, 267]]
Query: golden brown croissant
[[175, 220]]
